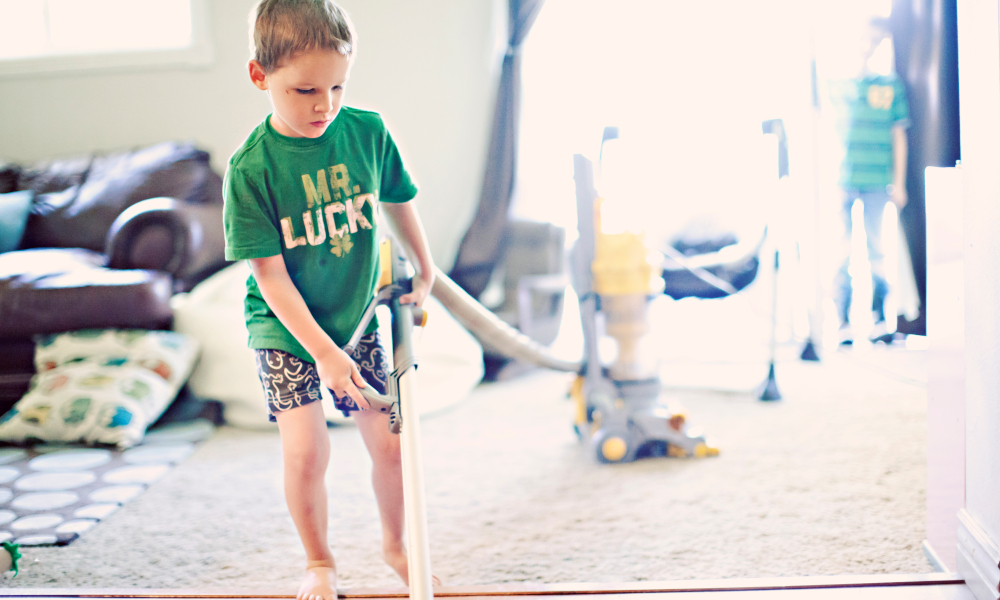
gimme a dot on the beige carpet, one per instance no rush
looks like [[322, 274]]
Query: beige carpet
[[828, 481]]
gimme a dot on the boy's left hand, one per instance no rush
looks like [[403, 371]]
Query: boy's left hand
[[898, 196], [421, 289]]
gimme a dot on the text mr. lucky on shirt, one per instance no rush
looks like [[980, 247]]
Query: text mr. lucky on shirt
[[340, 218]]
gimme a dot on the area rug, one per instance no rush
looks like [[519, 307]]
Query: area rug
[[52, 493], [828, 481]]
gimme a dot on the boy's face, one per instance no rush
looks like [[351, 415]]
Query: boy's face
[[868, 41], [306, 91]]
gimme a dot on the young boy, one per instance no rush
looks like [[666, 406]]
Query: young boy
[[302, 206]]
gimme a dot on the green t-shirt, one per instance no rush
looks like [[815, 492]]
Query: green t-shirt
[[867, 110], [315, 202]]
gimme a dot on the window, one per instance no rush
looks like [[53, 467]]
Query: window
[[687, 83], [57, 35]]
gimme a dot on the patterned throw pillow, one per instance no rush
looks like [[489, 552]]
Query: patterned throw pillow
[[100, 387]]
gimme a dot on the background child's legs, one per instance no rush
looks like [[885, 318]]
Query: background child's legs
[[842, 290], [305, 449], [874, 210]]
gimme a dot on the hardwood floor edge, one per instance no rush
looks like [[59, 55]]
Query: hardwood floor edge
[[517, 589]]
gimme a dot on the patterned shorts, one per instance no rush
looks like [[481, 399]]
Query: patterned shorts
[[290, 381]]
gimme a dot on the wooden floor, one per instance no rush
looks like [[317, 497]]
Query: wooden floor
[[937, 586]]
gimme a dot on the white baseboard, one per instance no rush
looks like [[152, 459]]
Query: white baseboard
[[933, 558], [978, 558]]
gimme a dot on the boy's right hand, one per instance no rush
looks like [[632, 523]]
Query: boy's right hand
[[338, 372]]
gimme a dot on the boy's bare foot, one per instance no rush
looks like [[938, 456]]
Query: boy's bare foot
[[399, 563], [320, 582]]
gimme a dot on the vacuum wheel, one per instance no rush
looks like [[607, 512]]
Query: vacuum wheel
[[615, 445]]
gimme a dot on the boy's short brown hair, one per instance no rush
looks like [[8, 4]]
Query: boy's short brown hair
[[281, 28]]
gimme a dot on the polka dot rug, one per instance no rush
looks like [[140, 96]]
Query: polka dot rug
[[50, 494]]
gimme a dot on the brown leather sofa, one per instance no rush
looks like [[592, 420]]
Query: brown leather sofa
[[109, 240]]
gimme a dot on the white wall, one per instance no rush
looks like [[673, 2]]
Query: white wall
[[945, 361], [979, 73], [430, 67]]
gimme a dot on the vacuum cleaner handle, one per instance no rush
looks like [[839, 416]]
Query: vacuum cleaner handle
[[380, 402], [384, 404]]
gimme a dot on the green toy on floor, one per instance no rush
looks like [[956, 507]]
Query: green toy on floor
[[9, 557]]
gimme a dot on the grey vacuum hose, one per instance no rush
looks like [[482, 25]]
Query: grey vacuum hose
[[491, 331]]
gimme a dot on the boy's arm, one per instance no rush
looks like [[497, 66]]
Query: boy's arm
[[899, 151], [337, 371], [410, 232]]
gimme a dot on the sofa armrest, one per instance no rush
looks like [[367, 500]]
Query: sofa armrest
[[151, 234], [184, 239]]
